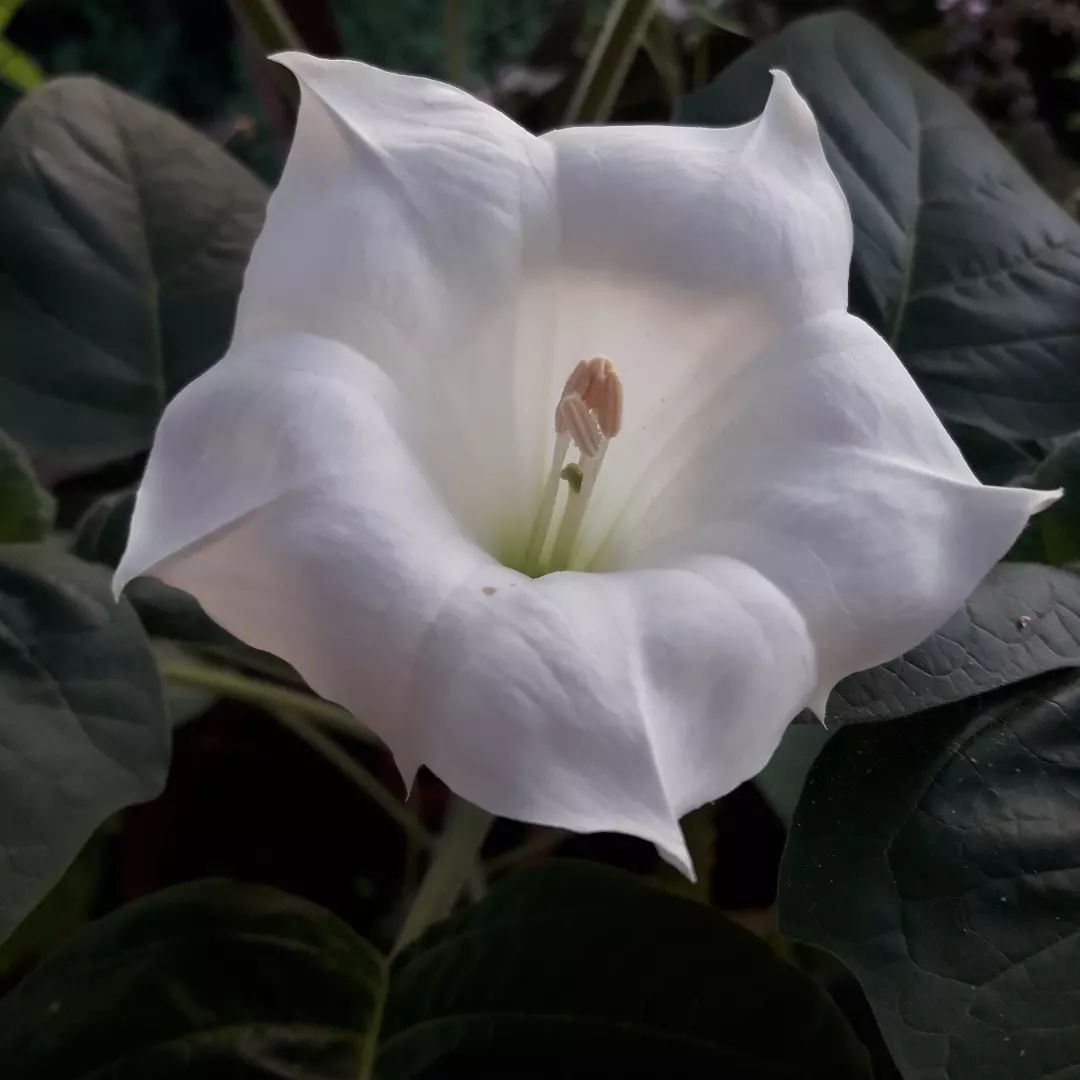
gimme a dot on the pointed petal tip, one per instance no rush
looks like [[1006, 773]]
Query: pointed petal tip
[[674, 852], [818, 704], [296, 61], [782, 79], [122, 577], [1044, 499], [787, 113]]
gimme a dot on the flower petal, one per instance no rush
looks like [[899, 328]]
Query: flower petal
[[684, 252], [316, 439], [821, 465], [416, 225], [282, 493]]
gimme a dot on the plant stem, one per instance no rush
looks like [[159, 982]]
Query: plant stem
[[268, 25], [333, 753], [455, 17], [451, 867], [609, 62], [539, 844], [270, 696]]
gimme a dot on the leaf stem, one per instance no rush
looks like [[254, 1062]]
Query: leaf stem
[[609, 62], [233, 684], [539, 844], [451, 869]]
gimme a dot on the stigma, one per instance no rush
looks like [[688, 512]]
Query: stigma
[[588, 415]]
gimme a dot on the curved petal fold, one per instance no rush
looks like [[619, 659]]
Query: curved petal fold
[[822, 465]]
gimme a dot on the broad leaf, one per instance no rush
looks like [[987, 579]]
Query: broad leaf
[[1023, 620], [26, 509], [961, 261], [566, 965], [940, 859], [123, 238], [82, 724]]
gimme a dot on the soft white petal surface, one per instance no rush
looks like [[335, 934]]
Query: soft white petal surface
[[823, 466], [565, 700]]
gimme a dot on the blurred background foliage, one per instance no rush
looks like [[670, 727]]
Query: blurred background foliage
[[1014, 60]]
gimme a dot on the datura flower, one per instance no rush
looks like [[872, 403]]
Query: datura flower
[[559, 459]]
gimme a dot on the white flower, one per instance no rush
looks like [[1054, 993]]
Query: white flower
[[360, 483]]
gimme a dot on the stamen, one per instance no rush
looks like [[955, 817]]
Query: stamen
[[589, 413], [574, 514], [542, 521]]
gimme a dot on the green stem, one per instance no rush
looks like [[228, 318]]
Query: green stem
[[539, 844], [349, 767], [232, 684], [456, 34], [268, 25], [451, 868], [609, 62]]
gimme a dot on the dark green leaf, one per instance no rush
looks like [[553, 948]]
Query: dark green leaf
[[123, 238], [82, 724], [940, 859], [210, 980], [101, 534], [1023, 620], [26, 509], [961, 261], [575, 962], [557, 970]]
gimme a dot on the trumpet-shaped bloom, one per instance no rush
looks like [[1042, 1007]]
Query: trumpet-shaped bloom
[[559, 460]]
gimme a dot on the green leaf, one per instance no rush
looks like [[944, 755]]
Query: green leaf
[[939, 858], [961, 261], [83, 730], [26, 508], [1023, 620], [568, 964], [123, 238]]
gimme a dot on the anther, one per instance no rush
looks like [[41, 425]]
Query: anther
[[576, 418], [604, 398]]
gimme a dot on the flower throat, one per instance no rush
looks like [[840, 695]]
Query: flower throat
[[589, 415]]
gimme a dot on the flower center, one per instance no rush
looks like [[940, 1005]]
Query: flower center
[[589, 415]]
